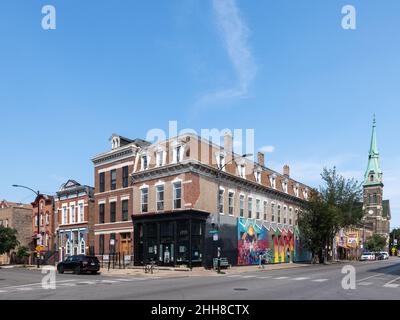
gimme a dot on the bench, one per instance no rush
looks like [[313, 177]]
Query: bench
[[224, 263]]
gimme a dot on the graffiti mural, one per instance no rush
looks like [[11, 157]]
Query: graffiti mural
[[275, 244]]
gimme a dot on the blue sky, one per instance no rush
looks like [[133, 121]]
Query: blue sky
[[285, 68]]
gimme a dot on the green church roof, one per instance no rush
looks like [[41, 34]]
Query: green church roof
[[373, 175]]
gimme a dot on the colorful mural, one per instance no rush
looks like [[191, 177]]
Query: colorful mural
[[256, 239]]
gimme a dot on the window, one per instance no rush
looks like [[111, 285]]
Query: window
[[284, 215], [242, 170], [82, 247], [258, 209], [125, 177], [47, 219], [113, 179], [296, 213], [178, 154], [306, 194], [273, 181], [36, 220], [145, 162], [102, 181], [221, 201], [221, 161], [375, 198], [265, 211], [290, 216], [41, 219], [145, 200], [64, 217], [68, 248], [101, 244], [160, 158], [296, 190], [81, 212], [231, 203], [285, 186], [371, 178], [46, 240], [125, 210], [177, 195], [72, 213], [241, 204], [113, 211], [258, 176], [250, 207], [101, 213], [272, 212], [160, 197], [279, 213]]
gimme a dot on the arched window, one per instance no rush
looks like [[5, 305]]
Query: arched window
[[68, 248], [82, 247]]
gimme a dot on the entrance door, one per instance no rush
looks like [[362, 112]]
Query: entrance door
[[125, 244], [167, 253]]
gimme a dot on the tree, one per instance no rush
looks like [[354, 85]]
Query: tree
[[8, 240], [335, 206], [376, 243], [22, 254], [395, 234]]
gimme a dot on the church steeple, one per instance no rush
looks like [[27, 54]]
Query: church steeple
[[373, 175]]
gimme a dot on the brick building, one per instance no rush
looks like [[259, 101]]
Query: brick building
[[113, 230], [16, 216], [175, 192], [46, 237], [74, 205]]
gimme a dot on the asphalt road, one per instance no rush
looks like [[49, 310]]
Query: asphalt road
[[374, 281]]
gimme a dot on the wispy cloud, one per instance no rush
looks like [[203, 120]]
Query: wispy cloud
[[267, 149], [234, 33]]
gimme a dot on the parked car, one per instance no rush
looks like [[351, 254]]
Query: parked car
[[385, 255], [79, 264], [368, 256], [379, 256]]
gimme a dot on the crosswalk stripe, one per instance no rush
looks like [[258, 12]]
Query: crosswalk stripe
[[281, 278], [391, 284], [320, 280], [365, 284], [301, 279], [249, 277]]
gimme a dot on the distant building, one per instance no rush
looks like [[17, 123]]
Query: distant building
[[74, 205], [16, 216], [377, 211], [43, 206]]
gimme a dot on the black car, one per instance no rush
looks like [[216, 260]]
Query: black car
[[79, 264], [379, 256]]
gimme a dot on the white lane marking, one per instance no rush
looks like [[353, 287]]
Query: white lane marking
[[108, 281], [365, 284], [249, 277], [67, 285], [263, 278], [34, 284], [301, 279], [362, 280], [320, 280], [1, 291], [281, 278], [235, 276], [24, 289], [392, 284], [88, 283], [125, 280]]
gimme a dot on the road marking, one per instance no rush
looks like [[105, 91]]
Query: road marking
[[35, 284], [1, 291], [365, 284], [235, 276], [362, 280], [126, 280], [281, 278], [24, 289], [320, 280], [263, 278], [108, 281], [89, 283], [249, 277], [67, 285], [301, 279], [391, 284]]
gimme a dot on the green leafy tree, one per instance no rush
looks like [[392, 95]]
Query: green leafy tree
[[8, 240], [376, 243], [335, 206], [22, 254], [395, 234]]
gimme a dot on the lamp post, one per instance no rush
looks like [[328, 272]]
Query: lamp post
[[220, 169], [37, 193]]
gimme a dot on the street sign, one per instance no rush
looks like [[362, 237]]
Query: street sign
[[395, 242], [215, 237], [213, 232], [39, 248]]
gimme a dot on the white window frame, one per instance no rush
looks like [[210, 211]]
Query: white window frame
[[142, 162], [250, 207], [174, 198], [242, 170], [64, 214], [231, 205], [221, 156], [285, 215], [81, 211], [273, 181], [258, 209], [72, 213], [47, 219], [257, 175], [265, 210], [157, 196], [160, 157], [221, 202], [242, 199], [290, 216], [82, 242], [142, 203], [273, 212], [181, 148]]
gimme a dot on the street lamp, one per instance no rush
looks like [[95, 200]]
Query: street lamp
[[220, 169], [37, 193]]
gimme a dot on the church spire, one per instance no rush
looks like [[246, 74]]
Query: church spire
[[373, 175]]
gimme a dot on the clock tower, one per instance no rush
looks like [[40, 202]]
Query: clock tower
[[377, 212]]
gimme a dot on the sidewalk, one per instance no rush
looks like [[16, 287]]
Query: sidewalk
[[196, 272]]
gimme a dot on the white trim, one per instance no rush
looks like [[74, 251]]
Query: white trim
[[159, 183], [110, 231], [112, 191], [123, 198], [102, 201], [144, 186], [116, 167], [113, 199]]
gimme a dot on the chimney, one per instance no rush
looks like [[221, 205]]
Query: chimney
[[261, 159], [286, 170], [228, 142]]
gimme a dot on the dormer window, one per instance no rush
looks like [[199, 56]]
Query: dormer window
[[285, 185], [145, 162], [257, 175], [242, 170], [296, 190], [306, 194], [178, 152], [371, 178], [221, 160], [273, 181], [115, 142], [160, 158]]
